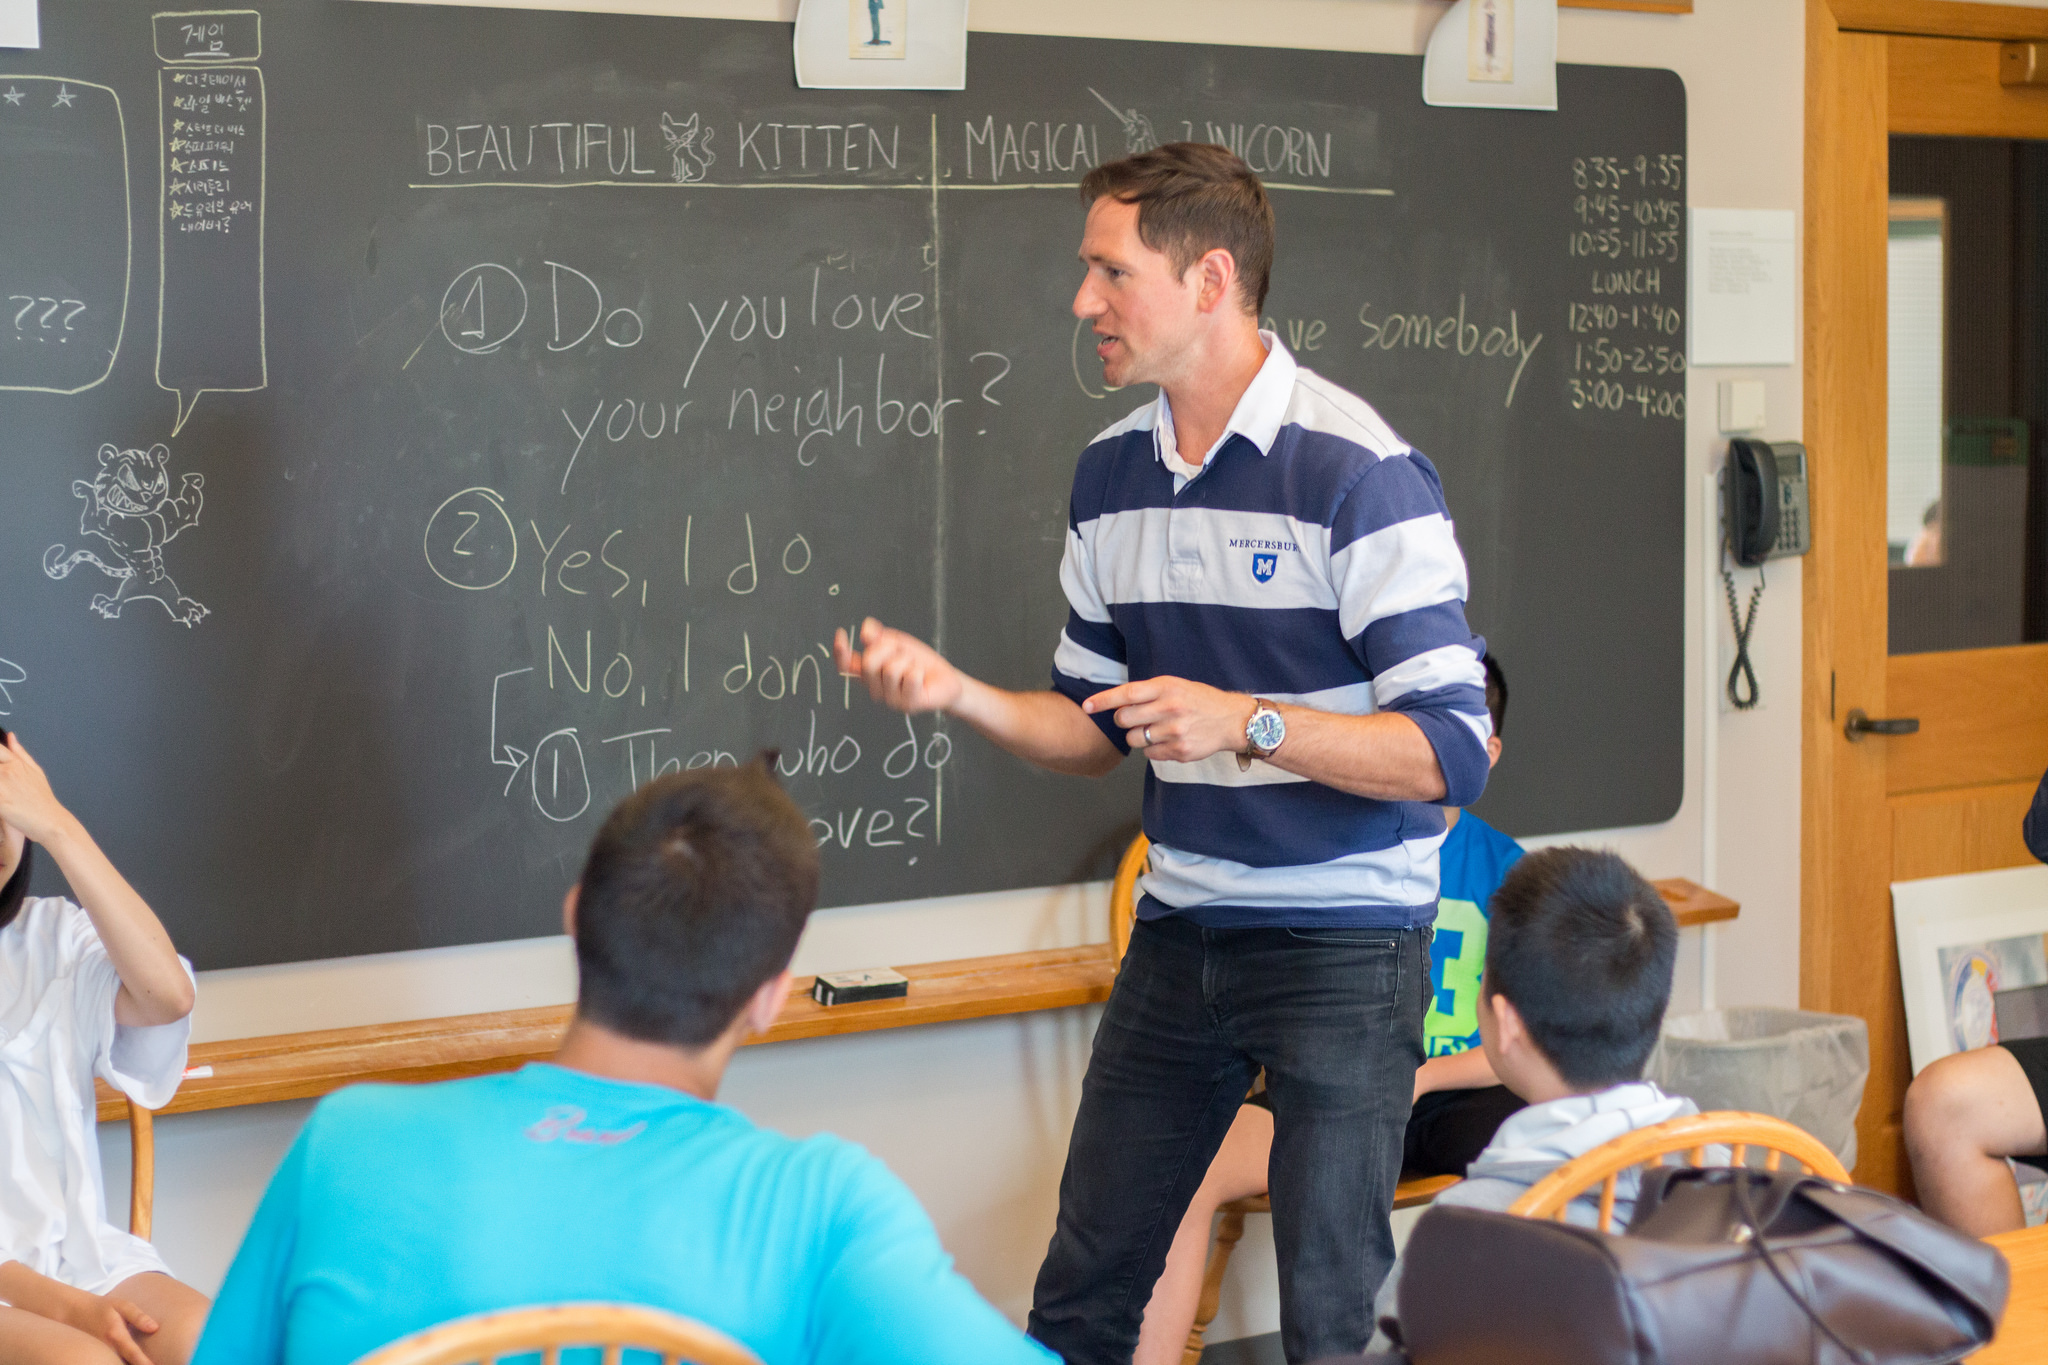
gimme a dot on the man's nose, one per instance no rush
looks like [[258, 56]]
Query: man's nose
[[1087, 304]]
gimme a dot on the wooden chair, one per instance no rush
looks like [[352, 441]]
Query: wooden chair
[[1123, 914], [1691, 1135], [141, 1169], [615, 1327]]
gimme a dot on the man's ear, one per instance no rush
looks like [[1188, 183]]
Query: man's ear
[[1492, 750], [1215, 280], [569, 910], [765, 1005]]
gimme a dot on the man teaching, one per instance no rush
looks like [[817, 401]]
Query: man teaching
[[1266, 600]]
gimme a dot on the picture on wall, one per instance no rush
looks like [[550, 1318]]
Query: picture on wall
[[1974, 978], [876, 29], [1973, 959]]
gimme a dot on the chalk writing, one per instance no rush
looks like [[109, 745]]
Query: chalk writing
[[211, 322], [1625, 338], [63, 158]]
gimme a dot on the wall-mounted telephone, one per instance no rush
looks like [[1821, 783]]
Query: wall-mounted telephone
[[1763, 493], [1764, 515]]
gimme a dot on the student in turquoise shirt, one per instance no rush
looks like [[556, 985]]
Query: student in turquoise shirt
[[611, 1174]]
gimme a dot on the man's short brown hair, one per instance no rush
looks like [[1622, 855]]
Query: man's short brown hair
[[695, 893], [1192, 198]]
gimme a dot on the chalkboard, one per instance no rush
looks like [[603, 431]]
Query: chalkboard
[[419, 425]]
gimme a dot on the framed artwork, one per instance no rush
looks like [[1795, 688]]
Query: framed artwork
[[1973, 959]]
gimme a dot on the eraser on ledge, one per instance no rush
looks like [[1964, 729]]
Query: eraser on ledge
[[847, 988]]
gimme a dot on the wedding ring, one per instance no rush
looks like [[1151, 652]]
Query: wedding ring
[[1148, 736]]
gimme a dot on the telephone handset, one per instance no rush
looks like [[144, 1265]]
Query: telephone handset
[[1750, 496]]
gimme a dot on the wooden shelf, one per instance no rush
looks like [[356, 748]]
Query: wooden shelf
[[1692, 904], [1639, 6], [298, 1066], [1947, 19]]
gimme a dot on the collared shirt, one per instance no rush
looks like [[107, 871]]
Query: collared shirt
[[1309, 559]]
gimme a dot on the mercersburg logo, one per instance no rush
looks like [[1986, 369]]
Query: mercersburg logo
[[1265, 555]]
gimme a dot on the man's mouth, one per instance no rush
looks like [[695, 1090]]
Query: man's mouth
[[1104, 343]]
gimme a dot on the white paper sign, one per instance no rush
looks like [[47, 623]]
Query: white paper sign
[[1493, 54], [18, 24], [881, 44], [1742, 293]]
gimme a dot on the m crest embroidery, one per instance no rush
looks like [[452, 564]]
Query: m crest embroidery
[[1264, 567]]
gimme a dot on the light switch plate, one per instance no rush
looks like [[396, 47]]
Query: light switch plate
[[1742, 404]]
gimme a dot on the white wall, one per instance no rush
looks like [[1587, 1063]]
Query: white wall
[[975, 1116]]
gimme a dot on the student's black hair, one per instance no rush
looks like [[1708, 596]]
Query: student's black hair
[[1496, 691], [1583, 948], [16, 890], [694, 893]]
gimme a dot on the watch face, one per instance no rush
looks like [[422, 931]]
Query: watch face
[[1266, 730]]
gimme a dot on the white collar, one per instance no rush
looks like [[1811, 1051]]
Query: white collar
[[1258, 416]]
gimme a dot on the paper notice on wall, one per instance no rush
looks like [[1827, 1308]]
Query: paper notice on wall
[[1743, 287], [18, 24], [881, 44]]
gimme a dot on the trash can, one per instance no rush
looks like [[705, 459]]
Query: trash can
[[1798, 1065]]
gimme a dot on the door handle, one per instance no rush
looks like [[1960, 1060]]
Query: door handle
[[1861, 724]]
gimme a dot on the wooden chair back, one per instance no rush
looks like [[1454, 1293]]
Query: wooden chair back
[[614, 1327], [141, 1168], [1123, 897], [1690, 1135]]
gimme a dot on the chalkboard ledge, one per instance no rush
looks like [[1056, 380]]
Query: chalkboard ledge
[[298, 1066]]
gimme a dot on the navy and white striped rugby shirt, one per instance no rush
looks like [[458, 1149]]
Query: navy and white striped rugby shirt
[[1310, 560]]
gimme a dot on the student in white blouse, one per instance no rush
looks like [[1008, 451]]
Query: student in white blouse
[[86, 989]]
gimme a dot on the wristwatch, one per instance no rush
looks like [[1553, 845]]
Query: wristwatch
[[1263, 733]]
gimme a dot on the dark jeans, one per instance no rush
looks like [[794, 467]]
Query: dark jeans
[[1335, 1018]]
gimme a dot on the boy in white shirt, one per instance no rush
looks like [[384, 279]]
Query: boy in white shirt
[[92, 988], [1578, 972]]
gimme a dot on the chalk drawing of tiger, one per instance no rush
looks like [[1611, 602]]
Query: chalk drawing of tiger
[[130, 506]]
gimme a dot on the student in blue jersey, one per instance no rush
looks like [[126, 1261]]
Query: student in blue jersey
[[1267, 599], [610, 1174], [1459, 1102]]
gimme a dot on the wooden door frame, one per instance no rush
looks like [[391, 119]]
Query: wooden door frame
[[1848, 958]]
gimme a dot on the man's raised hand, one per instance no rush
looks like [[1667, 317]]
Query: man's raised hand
[[901, 671], [1187, 721]]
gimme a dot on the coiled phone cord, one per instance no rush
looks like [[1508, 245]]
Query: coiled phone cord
[[1742, 687]]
